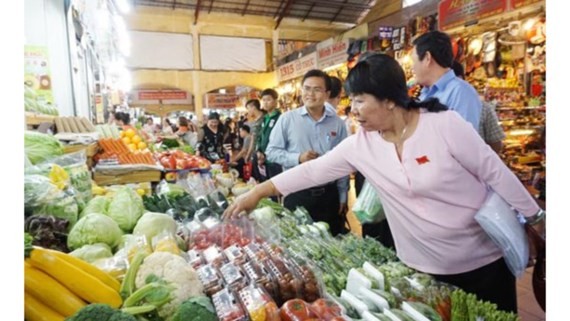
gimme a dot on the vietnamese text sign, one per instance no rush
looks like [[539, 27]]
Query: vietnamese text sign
[[516, 4], [332, 54], [222, 101], [453, 13], [153, 97], [298, 67]]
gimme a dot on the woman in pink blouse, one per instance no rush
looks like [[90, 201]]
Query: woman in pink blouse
[[431, 170]]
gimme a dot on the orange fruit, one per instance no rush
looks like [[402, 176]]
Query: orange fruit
[[141, 145], [130, 132], [122, 134], [132, 147], [136, 139], [126, 140]]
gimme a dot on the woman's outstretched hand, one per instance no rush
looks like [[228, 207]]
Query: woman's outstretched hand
[[247, 202], [242, 205]]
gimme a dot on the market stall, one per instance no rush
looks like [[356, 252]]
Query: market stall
[[503, 54]]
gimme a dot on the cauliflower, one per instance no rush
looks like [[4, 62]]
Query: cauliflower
[[174, 269]]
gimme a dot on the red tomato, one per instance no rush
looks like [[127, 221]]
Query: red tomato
[[295, 310], [325, 309]]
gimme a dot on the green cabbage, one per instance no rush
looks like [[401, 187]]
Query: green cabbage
[[126, 208], [92, 252], [152, 224], [41, 147], [99, 204], [94, 228]]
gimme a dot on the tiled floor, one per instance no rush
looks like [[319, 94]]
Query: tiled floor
[[529, 310]]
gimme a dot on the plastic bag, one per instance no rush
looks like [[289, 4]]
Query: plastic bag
[[169, 189], [198, 185], [368, 208], [165, 242], [42, 197], [76, 168], [500, 222]]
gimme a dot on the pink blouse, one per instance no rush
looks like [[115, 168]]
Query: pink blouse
[[432, 195]]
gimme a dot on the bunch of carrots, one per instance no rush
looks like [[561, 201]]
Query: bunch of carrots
[[116, 148]]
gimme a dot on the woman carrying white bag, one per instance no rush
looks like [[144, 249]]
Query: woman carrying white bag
[[431, 170]]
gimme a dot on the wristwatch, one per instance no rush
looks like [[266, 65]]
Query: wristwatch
[[536, 218]]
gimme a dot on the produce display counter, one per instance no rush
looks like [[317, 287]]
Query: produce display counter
[[117, 175], [35, 119], [90, 151]]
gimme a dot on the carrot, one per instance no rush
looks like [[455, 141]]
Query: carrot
[[122, 146]]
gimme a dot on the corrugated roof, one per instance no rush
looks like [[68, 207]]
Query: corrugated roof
[[342, 11]]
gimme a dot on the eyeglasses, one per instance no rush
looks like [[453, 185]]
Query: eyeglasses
[[313, 90]]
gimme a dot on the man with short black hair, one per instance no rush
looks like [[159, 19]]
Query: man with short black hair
[[432, 58], [255, 113], [302, 135], [269, 104]]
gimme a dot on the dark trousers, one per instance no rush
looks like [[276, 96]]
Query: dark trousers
[[493, 282], [322, 203]]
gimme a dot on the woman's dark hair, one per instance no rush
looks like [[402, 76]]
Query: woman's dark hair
[[336, 87], [382, 77], [246, 128], [254, 102], [124, 117], [167, 121], [214, 115], [183, 121]]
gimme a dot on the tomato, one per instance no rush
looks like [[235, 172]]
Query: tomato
[[295, 310], [325, 309], [181, 164]]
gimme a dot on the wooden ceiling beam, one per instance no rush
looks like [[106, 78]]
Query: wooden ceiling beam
[[211, 5], [197, 12], [338, 11], [278, 9], [245, 8], [308, 12], [284, 12]]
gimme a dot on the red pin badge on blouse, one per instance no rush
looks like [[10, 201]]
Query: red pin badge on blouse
[[422, 160]]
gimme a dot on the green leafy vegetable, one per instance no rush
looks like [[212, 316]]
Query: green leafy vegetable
[[41, 147], [94, 228], [126, 208]]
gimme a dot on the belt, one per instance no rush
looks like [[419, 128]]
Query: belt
[[320, 190]]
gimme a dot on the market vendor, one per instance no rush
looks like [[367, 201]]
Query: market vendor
[[211, 146], [431, 170]]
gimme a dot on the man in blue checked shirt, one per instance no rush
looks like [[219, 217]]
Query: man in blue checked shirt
[[304, 134], [432, 58]]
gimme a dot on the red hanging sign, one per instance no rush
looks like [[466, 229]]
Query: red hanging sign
[[453, 13], [515, 4]]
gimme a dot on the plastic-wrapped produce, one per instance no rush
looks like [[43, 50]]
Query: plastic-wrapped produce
[[227, 307]]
